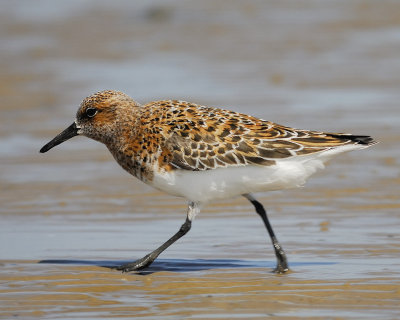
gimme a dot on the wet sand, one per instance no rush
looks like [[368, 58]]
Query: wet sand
[[70, 214]]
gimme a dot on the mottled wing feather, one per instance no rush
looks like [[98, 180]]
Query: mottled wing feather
[[203, 138], [188, 154]]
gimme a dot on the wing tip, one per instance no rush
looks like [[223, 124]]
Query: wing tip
[[357, 139]]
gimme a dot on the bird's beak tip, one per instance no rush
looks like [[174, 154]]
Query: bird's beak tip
[[68, 133]]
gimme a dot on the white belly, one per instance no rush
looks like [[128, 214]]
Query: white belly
[[222, 183]]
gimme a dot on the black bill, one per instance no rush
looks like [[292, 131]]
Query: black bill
[[68, 133]]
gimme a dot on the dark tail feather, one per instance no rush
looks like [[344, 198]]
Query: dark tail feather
[[364, 140]]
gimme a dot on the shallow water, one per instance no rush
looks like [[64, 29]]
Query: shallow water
[[68, 215]]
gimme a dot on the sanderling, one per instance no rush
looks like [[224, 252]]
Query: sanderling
[[204, 154]]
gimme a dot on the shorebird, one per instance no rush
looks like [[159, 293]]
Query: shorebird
[[204, 154]]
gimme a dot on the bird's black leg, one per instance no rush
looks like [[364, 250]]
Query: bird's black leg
[[282, 264], [149, 258]]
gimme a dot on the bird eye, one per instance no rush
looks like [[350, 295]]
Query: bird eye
[[91, 112]]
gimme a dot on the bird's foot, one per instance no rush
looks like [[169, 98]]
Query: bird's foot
[[136, 265], [282, 265], [281, 269]]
